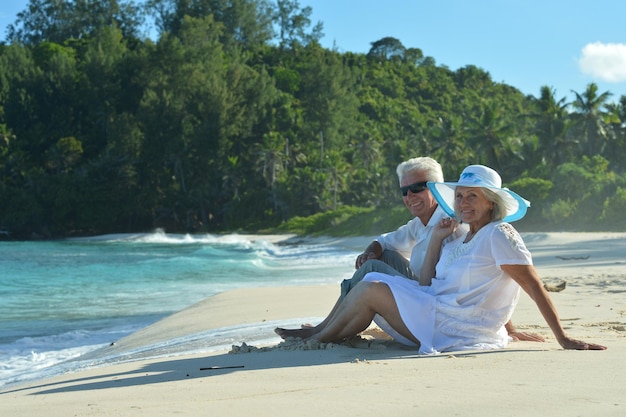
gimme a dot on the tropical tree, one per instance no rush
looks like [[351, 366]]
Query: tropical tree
[[388, 48], [448, 137], [181, 111], [616, 120], [328, 101], [246, 23], [589, 126], [271, 160], [473, 78], [555, 147], [60, 20], [293, 22], [491, 137]]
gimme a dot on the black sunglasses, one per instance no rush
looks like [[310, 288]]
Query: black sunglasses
[[416, 187]]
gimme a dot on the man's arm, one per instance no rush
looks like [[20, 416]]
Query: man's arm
[[373, 251]]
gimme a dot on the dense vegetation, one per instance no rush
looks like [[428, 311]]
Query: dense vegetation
[[233, 117]]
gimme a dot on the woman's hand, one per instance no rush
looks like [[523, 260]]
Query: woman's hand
[[569, 343], [445, 228]]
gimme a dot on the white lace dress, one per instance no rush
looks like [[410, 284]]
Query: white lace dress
[[470, 299]]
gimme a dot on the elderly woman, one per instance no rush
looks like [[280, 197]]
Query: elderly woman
[[467, 290]]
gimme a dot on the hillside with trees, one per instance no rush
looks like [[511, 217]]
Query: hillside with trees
[[234, 117]]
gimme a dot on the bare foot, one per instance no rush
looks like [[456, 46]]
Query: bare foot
[[304, 333]]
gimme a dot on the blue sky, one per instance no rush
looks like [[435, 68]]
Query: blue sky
[[564, 44]]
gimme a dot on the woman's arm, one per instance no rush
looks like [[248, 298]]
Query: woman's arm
[[444, 229], [526, 276]]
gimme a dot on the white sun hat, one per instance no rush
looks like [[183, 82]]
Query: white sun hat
[[480, 176]]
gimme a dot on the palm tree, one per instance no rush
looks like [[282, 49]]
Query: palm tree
[[616, 120], [552, 124], [447, 137], [588, 120], [490, 136]]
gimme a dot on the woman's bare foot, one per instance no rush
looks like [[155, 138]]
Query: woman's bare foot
[[303, 333]]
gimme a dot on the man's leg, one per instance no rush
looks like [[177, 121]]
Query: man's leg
[[357, 311], [399, 263], [390, 263], [354, 314]]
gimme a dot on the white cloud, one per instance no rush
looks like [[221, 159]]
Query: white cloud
[[606, 61]]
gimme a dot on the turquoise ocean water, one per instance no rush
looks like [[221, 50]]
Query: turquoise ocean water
[[60, 300]]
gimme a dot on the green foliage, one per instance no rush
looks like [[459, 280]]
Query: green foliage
[[64, 154], [346, 220], [220, 124], [580, 194], [613, 210], [59, 20], [287, 80], [532, 189], [559, 212], [580, 180]]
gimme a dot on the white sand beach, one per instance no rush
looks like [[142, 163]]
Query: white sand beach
[[525, 379]]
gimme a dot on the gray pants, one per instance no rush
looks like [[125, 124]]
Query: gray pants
[[391, 263]]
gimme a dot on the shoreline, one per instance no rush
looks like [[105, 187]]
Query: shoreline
[[377, 380]]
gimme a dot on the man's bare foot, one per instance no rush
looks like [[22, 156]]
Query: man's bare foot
[[304, 333]]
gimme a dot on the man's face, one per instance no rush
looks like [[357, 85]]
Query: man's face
[[421, 204]]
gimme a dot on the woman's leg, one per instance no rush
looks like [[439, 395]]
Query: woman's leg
[[357, 311], [391, 263], [372, 265]]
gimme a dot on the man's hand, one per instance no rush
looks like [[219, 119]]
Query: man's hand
[[362, 258], [373, 251]]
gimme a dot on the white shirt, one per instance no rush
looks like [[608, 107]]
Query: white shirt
[[412, 239]]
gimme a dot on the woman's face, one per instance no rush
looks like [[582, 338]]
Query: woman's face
[[473, 206], [421, 204]]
